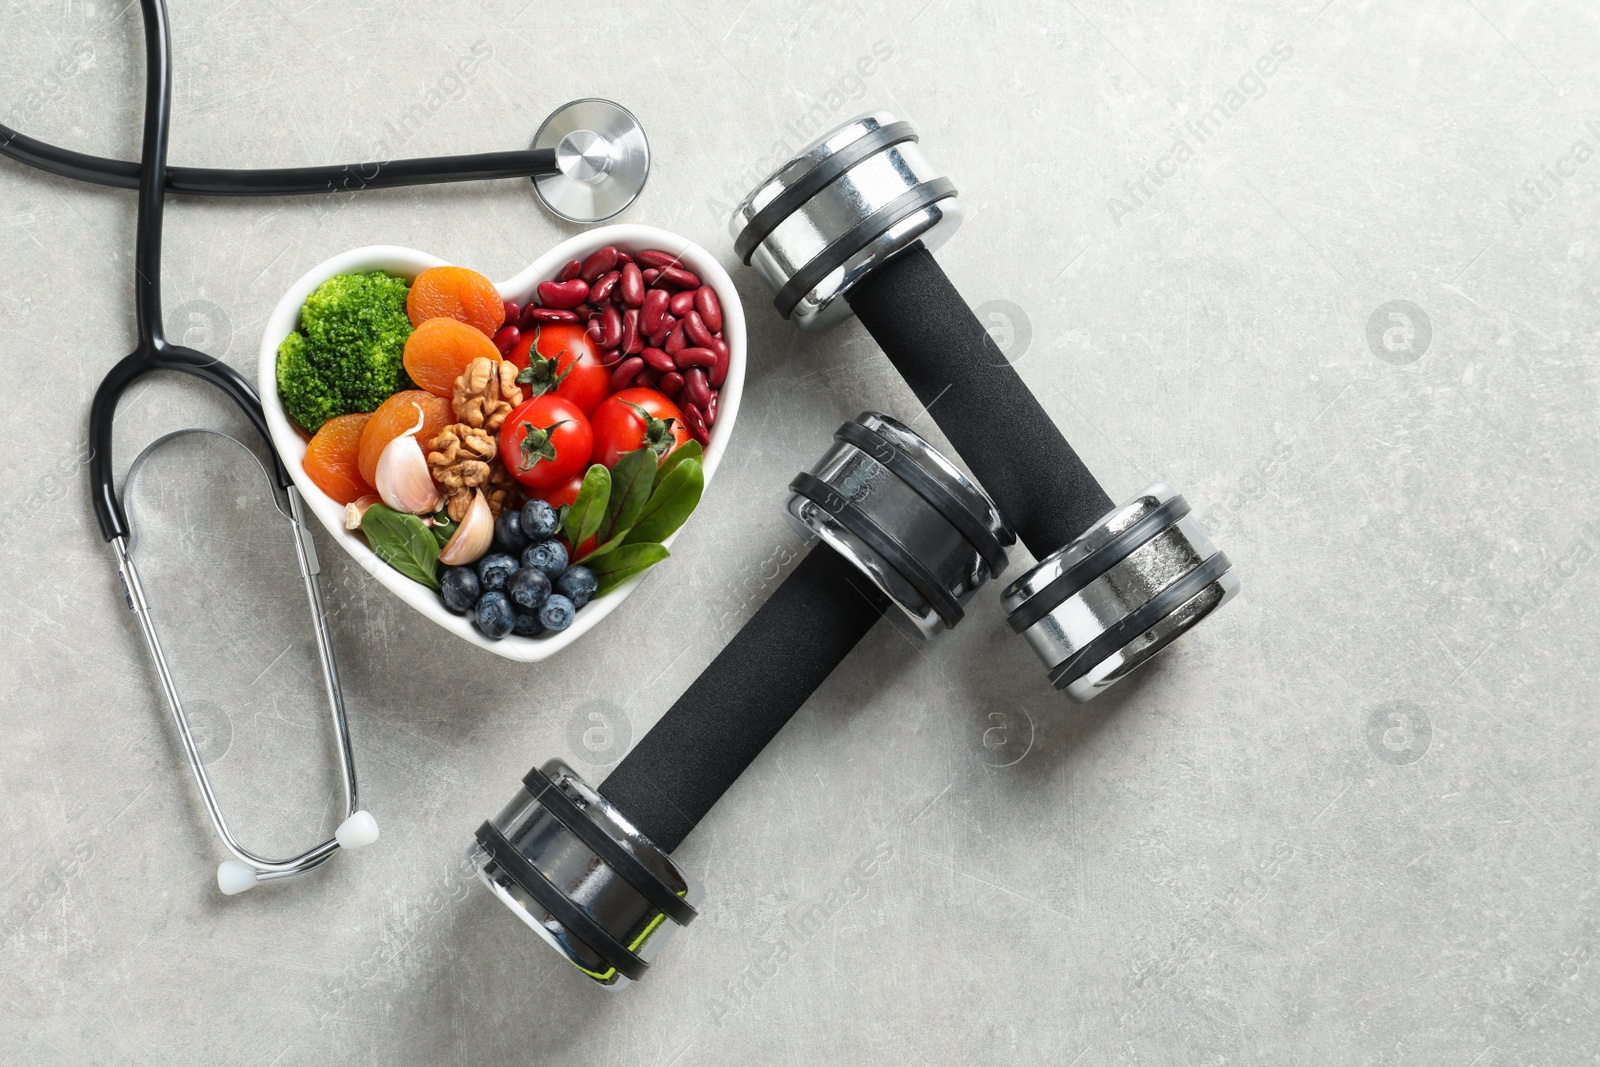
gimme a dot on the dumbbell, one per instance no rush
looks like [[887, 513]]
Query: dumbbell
[[849, 225], [590, 869], [896, 528]]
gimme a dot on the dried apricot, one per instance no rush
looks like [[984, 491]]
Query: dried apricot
[[333, 458], [438, 351], [396, 416], [456, 293]]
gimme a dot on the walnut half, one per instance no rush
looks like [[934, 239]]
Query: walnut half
[[462, 458], [486, 392]]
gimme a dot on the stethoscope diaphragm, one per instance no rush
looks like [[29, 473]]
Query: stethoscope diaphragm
[[602, 160]]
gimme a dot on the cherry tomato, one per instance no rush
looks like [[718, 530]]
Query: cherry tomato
[[545, 442], [635, 418], [568, 364], [563, 494]]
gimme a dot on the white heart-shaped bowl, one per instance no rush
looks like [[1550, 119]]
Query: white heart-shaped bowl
[[407, 264]]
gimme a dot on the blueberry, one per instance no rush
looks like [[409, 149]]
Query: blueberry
[[495, 570], [508, 531], [494, 615], [528, 588], [548, 556], [459, 589], [577, 584], [539, 520], [528, 624], [557, 613]]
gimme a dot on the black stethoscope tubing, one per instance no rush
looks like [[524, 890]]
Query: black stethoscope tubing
[[282, 181]]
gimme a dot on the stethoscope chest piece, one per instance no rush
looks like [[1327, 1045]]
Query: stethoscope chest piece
[[602, 160], [905, 516]]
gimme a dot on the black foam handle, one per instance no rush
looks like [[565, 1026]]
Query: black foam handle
[[976, 396], [725, 718]]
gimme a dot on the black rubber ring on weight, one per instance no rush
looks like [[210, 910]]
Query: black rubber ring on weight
[[578, 922], [814, 181], [1112, 550], [649, 884], [880, 541], [1138, 621], [909, 469], [841, 248]]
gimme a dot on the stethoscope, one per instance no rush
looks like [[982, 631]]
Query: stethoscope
[[589, 161]]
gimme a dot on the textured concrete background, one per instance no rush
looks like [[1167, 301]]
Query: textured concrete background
[[1351, 820]]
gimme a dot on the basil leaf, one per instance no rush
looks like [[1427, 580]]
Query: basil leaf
[[583, 520], [632, 478], [620, 564], [404, 542], [687, 450], [671, 503]]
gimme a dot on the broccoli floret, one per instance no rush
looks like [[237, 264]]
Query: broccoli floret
[[345, 357]]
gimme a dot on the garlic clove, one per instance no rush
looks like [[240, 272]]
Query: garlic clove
[[354, 510], [404, 481], [473, 537]]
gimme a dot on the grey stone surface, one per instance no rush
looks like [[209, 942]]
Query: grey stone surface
[[1351, 820]]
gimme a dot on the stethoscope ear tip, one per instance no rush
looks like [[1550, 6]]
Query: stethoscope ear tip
[[235, 877], [358, 831]]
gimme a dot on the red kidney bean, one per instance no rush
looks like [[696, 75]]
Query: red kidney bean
[[595, 333], [681, 304], [675, 341], [649, 275], [513, 312], [610, 357], [648, 378], [719, 370], [632, 343], [599, 262], [570, 271], [653, 310], [656, 358], [650, 257], [601, 290], [710, 308], [626, 372], [534, 314], [695, 421], [507, 339], [695, 329], [563, 294], [695, 387], [610, 327], [678, 278], [694, 357], [670, 382], [711, 409], [623, 257], [631, 288]]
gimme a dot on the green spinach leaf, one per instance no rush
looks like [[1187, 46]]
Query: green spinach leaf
[[622, 563], [583, 519], [632, 478], [670, 504]]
